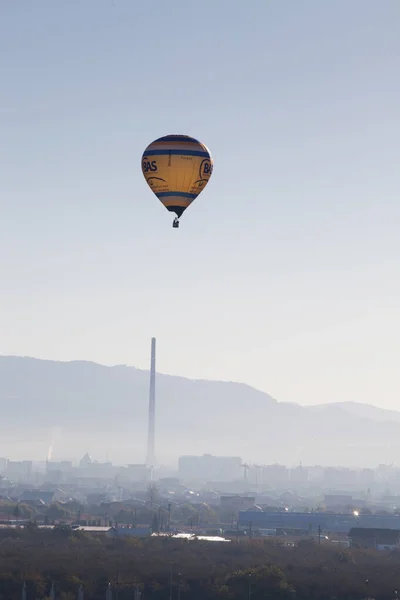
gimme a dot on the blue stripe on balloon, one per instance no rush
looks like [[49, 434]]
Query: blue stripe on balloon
[[178, 194], [177, 138], [177, 153]]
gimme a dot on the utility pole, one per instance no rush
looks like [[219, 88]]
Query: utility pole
[[170, 582], [117, 586], [179, 586], [169, 516]]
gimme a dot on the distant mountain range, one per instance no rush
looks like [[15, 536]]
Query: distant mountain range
[[69, 408], [365, 411]]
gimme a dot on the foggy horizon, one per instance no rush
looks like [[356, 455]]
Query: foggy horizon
[[103, 410], [111, 365]]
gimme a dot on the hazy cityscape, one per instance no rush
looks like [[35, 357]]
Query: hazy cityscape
[[197, 498], [234, 490], [204, 498]]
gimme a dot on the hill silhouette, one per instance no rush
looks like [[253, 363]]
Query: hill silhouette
[[83, 406]]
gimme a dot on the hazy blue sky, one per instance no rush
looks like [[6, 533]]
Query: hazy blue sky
[[285, 273]]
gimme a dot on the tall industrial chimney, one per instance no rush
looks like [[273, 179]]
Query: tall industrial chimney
[[151, 458]]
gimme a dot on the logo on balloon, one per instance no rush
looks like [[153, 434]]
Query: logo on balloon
[[148, 165], [206, 168]]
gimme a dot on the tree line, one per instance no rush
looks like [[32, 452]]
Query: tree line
[[173, 569]]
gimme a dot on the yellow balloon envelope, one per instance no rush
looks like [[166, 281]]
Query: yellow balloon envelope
[[177, 168]]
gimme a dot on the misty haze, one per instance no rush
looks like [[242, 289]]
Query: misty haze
[[83, 407]]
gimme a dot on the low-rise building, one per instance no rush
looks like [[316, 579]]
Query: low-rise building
[[284, 521], [376, 538]]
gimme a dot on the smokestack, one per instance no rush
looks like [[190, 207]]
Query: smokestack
[[151, 458]]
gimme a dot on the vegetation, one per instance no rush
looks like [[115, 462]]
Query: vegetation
[[189, 570]]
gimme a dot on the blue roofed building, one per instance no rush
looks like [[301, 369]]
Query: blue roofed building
[[310, 522]]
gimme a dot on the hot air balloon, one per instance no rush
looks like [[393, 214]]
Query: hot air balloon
[[177, 168]]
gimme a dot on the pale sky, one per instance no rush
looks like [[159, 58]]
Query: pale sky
[[285, 272]]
